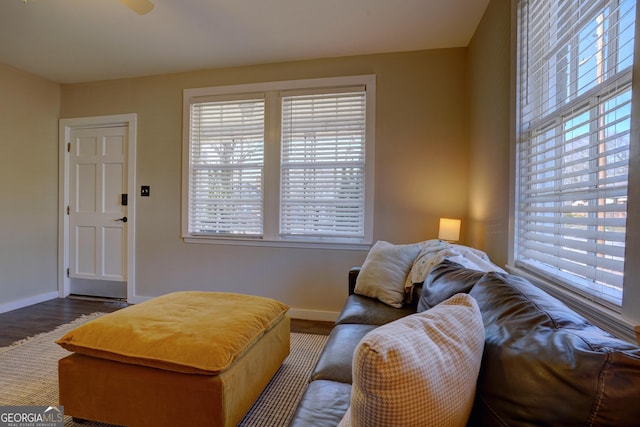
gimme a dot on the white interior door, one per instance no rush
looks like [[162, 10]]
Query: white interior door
[[97, 208]]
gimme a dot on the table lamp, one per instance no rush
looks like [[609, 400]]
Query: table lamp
[[449, 230]]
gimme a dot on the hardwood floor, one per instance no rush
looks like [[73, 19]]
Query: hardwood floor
[[311, 326], [43, 317], [28, 321]]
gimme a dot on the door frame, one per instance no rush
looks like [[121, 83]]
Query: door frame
[[66, 126]]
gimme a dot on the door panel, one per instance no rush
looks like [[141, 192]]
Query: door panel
[[113, 242], [113, 187], [85, 188], [85, 259], [98, 178]]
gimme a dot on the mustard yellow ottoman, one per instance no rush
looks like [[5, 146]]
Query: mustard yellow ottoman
[[182, 359]]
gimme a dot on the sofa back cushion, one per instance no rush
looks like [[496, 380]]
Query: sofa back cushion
[[544, 364], [445, 280]]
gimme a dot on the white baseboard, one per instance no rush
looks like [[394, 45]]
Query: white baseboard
[[318, 315], [137, 299], [25, 302]]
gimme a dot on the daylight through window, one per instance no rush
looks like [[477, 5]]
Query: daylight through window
[[573, 142]]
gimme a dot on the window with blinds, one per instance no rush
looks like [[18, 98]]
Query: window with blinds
[[574, 109], [227, 161], [282, 163], [323, 165]]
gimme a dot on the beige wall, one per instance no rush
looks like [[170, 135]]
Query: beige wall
[[29, 108], [442, 149], [489, 132], [421, 172]]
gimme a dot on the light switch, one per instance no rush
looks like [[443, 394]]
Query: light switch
[[145, 191]]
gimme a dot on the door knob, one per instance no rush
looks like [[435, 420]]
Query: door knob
[[123, 219]]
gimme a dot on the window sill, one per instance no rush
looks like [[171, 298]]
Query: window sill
[[599, 315], [207, 240]]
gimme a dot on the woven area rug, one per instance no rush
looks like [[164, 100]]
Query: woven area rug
[[29, 376]]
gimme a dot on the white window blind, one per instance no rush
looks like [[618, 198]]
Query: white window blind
[[227, 160], [573, 142], [287, 163], [323, 165]]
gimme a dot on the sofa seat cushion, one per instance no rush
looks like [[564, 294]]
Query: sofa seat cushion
[[336, 361], [323, 403], [544, 364], [369, 311], [188, 332], [419, 370]]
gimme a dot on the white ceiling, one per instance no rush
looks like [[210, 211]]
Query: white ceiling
[[70, 41]]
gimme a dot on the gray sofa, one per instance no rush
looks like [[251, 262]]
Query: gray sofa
[[543, 364]]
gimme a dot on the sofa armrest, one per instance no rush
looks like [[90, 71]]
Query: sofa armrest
[[353, 275]]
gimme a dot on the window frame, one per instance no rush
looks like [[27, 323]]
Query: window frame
[[272, 160], [619, 320]]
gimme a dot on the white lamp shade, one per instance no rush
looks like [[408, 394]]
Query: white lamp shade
[[449, 229]]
